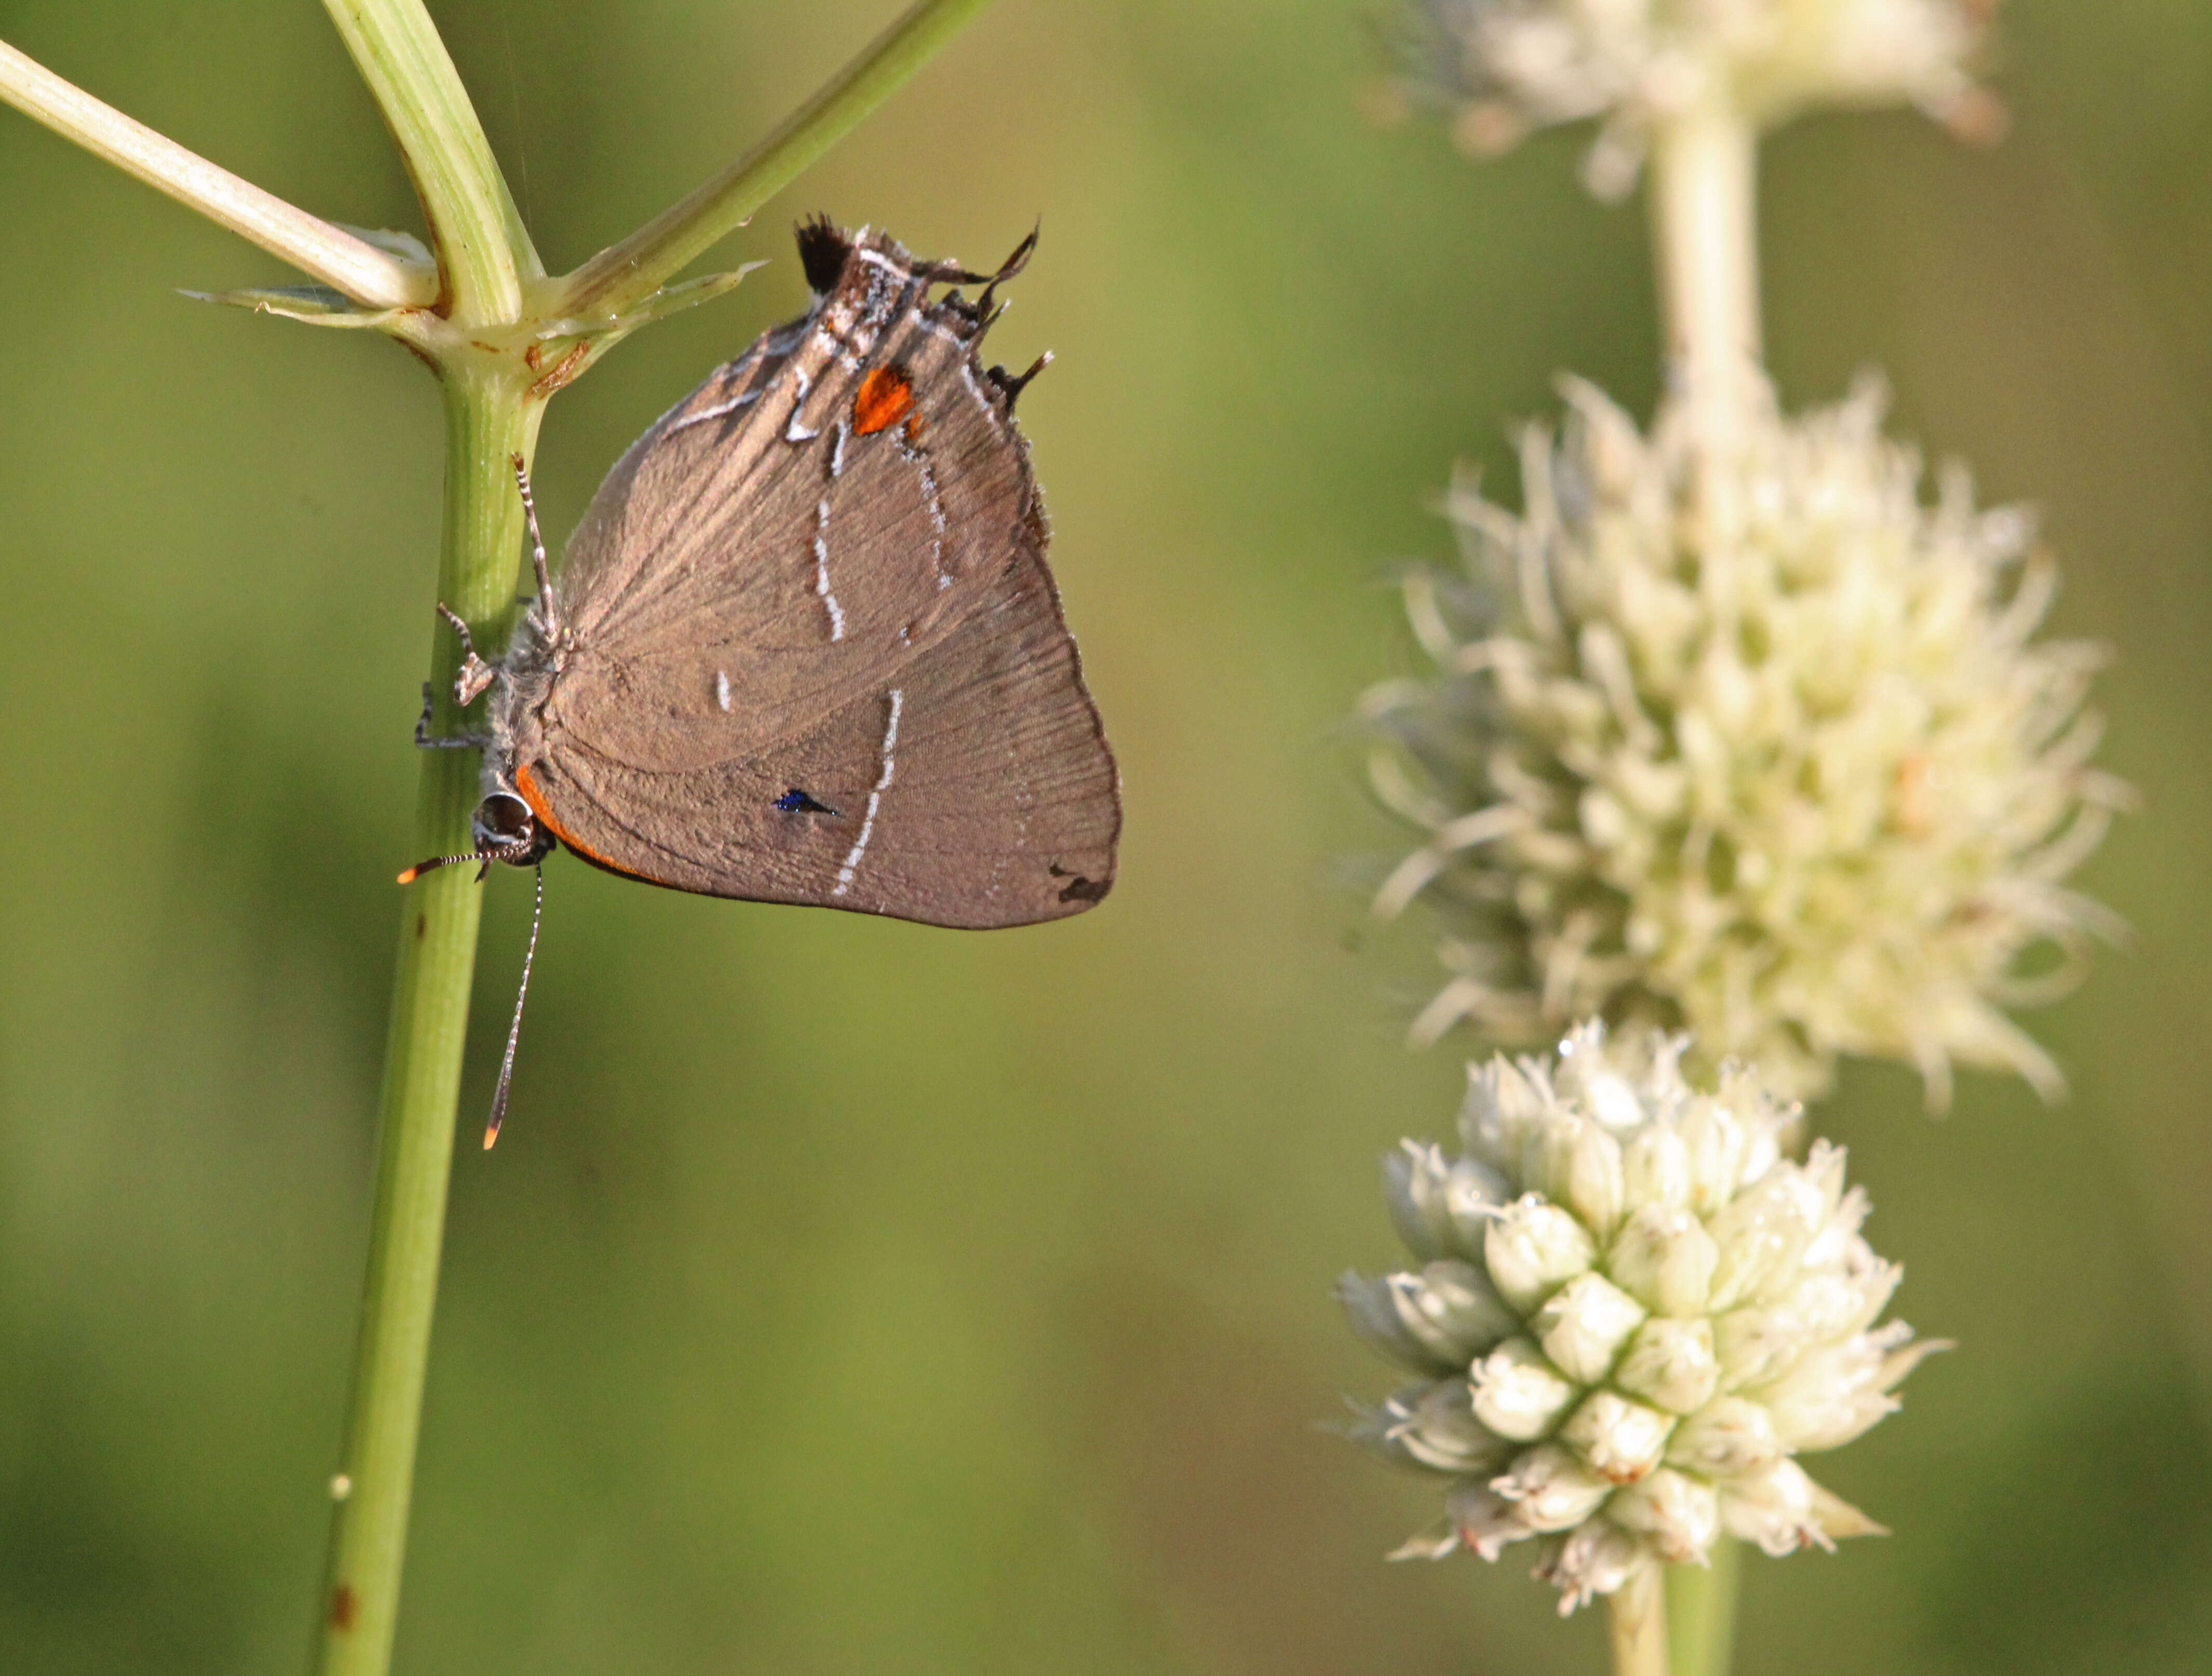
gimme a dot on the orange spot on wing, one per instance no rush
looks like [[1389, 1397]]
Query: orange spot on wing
[[915, 427], [885, 397]]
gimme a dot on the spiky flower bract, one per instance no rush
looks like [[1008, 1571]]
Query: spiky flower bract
[[1505, 67], [1807, 789], [1632, 1311]]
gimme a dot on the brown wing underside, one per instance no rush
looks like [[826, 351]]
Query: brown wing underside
[[976, 791], [817, 655]]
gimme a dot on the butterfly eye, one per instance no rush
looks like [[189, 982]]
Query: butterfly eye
[[504, 822]]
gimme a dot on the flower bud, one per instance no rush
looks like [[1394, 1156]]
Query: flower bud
[[1586, 1076], [1671, 1364], [1757, 1346], [1681, 1514], [1765, 1129], [1596, 1559], [1839, 1389], [1714, 1143], [1414, 1180], [1433, 1425], [1846, 1296], [1762, 1234], [1517, 1394], [1554, 1491], [1774, 1509], [1816, 1413], [1534, 1248], [1474, 1195], [1592, 1187], [1450, 1307], [1619, 1440], [1584, 1325], [1840, 1235], [1447, 1313], [1656, 1168], [1500, 1105], [1440, 1209], [1665, 1259], [1728, 1438], [1485, 1520], [1371, 1306]]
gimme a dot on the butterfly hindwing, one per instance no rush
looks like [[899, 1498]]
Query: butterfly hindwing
[[976, 790], [817, 655]]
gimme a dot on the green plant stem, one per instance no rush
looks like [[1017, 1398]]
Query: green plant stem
[[483, 251], [480, 326], [1701, 1611], [1704, 193], [1704, 219], [625, 273], [489, 418], [371, 277], [1703, 210], [1637, 1615]]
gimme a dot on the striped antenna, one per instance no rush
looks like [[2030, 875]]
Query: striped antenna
[[514, 1030]]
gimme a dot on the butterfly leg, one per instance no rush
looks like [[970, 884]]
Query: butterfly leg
[[428, 741], [474, 675]]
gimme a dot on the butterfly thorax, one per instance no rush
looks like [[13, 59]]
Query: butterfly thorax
[[522, 682]]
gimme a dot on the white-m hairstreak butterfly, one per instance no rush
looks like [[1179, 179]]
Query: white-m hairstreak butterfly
[[804, 646]]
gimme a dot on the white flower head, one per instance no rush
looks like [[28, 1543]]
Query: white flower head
[[1508, 66], [1625, 1379], [1807, 790]]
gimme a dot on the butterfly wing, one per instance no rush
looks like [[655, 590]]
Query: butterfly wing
[[814, 653]]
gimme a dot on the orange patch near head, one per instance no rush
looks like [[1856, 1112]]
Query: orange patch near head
[[885, 397], [526, 787], [526, 784]]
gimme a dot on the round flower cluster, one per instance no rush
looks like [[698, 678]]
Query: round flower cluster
[[1633, 1310], [1508, 66], [1807, 789]]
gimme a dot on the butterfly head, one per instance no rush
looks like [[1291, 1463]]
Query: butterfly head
[[506, 828]]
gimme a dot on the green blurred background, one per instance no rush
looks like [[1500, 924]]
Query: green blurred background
[[851, 1296]]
